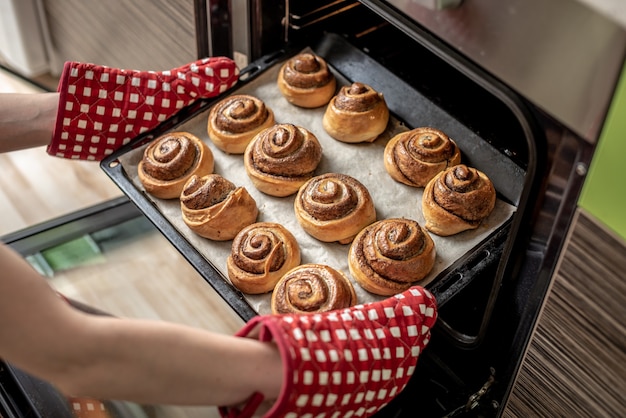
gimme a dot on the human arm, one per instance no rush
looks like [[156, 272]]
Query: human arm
[[118, 358], [26, 120], [97, 109], [313, 348]]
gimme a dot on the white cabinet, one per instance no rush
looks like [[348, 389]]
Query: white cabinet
[[23, 37]]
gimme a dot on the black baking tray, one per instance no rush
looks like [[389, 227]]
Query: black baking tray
[[509, 178]]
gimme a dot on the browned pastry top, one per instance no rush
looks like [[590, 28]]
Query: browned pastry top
[[239, 113], [260, 255], [466, 193], [334, 207], [215, 208], [429, 145], [260, 248], [357, 97], [331, 196], [394, 250], [285, 150], [414, 157], [311, 288], [307, 70], [204, 192], [171, 156]]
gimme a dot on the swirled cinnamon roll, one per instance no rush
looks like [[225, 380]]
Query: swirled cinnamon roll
[[334, 207], [389, 256], [306, 81], [214, 208], [312, 288], [358, 113], [281, 158], [235, 120], [416, 156], [261, 254], [457, 199], [170, 160]]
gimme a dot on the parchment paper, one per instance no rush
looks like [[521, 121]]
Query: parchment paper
[[362, 161]]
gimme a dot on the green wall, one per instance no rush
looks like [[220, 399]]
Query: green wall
[[604, 191]]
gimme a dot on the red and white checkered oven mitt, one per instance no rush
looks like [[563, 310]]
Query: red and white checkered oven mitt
[[103, 108], [343, 363]]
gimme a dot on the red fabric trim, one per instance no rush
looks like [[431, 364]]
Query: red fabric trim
[[53, 146]]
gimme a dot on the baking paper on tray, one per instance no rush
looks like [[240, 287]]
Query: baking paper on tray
[[361, 161]]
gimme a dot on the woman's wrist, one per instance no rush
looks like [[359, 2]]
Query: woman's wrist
[[27, 120]]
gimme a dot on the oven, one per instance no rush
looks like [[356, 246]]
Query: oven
[[534, 80], [522, 82]]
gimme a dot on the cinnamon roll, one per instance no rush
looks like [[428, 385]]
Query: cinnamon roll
[[306, 81], [457, 199], [334, 207], [261, 254], [389, 256], [214, 208], [281, 158], [312, 288], [170, 160], [358, 113], [235, 120], [416, 156]]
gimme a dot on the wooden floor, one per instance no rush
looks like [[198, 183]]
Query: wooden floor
[[575, 365], [140, 277]]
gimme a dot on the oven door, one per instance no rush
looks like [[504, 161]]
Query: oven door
[[22, 395]]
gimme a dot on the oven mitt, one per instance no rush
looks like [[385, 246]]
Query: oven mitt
[[349, 362], [103, 108], [88, 408]]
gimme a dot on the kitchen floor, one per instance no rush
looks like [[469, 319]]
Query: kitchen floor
[[138, 276]]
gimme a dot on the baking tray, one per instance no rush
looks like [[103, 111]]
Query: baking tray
[[459, 258]]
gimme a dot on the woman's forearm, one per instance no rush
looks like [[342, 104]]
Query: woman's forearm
[[158, 362], [113, 358], [26, 120], [105, 357]]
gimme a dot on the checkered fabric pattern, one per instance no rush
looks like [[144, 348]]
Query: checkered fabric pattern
[[348, 362], [88, 408], [103, 108]]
